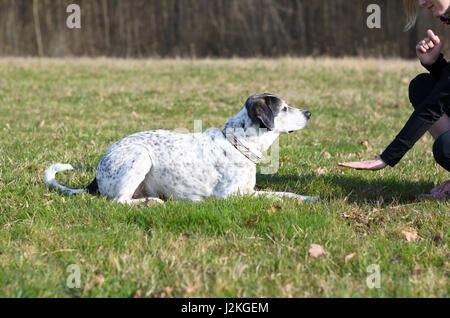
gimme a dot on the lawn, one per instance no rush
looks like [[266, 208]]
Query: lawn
[[72, 110]]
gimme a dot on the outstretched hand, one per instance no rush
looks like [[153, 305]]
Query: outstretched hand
[[374, 164]]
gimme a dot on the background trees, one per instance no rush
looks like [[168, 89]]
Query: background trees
[[188, 28]]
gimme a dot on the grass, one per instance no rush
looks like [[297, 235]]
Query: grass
[[72, 110]]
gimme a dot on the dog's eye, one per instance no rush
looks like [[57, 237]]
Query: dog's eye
[[284, 109]]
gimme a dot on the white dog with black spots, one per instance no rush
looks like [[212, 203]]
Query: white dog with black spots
[[158, 165]]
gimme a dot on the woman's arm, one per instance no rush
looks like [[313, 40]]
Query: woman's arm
[[429, 112], [429, 53], [436, 68], [432, 108]]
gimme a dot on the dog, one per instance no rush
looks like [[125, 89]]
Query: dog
[[159, 165]]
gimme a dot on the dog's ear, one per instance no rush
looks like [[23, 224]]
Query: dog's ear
[[261, 112]]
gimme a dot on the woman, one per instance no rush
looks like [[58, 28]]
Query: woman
[[430, 96]]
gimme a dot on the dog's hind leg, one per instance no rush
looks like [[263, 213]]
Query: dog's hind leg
[[122, 180]]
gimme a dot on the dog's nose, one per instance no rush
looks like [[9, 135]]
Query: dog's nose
[[307, 114]]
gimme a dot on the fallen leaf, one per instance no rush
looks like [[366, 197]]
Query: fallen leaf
[[138, 293], [316, 250], [418, 270], [100, 248], [436, 238], [349, 257], [116, 263], [326, 155], [191, 289], [97, 281], [165, 291], [184, 236], [397, 258], [39, 170], [320, 171], [411, 236], [275, 209], [253, 221]]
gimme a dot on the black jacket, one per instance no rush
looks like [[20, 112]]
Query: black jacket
[[426, 114]]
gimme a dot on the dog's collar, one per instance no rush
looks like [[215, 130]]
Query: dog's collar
[[239, 146]]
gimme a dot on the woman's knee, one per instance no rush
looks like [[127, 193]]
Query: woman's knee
[[441, 150], [419, 88]]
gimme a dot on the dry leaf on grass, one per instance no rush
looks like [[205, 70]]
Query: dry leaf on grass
[[411, 236], [349, 257], [275, 209], [253, 221], [397, 258], [97, 281], [184, 236], [138, 293], [116, 263], [320, 171], [418, 270], [327, 155], [316, 250], [165, 291]]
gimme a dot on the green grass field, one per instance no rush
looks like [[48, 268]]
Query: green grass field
[[72, 110]]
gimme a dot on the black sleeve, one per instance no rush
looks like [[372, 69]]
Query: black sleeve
[[436, 68], [428, 112]]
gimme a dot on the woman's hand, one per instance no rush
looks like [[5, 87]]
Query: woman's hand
[[428, 49], [374, 164]]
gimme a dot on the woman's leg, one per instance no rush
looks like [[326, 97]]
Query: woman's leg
[[419, 88], [441, 150]]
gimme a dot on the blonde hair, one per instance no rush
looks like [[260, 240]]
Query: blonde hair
[[411, 10]]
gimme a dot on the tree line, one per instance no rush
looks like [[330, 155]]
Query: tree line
[[209, 28]]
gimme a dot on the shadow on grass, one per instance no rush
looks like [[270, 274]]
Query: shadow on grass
[[358, 189]]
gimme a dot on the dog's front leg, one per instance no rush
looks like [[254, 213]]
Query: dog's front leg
[[282, 195]]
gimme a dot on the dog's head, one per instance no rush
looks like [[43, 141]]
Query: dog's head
[[271, 112]]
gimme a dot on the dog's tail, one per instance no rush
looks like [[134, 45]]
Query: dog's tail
[[50, 181]]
